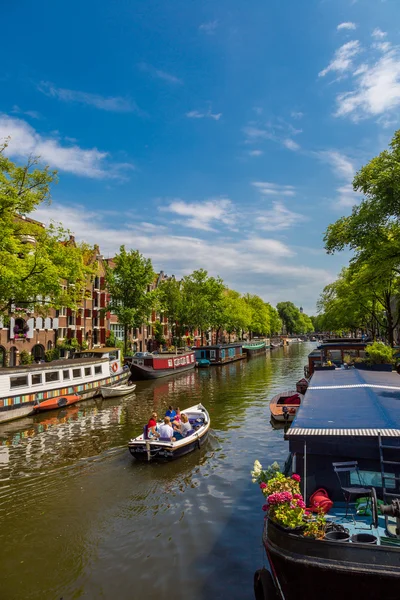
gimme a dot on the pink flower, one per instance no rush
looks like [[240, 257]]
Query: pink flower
[[296, 477], [300, 504], [265, 507], [280, 497], [263, 486], [297, 496]]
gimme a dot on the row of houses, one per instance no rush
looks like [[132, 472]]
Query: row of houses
[[90, 325]]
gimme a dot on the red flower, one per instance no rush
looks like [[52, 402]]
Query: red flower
[[296, 477], [265, 507], [263, 485]]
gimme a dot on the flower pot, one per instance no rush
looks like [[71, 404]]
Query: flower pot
[[337, 536], [364, 538], [366, 367], [325, 368]]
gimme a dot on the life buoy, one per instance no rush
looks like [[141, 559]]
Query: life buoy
[[115, 367]]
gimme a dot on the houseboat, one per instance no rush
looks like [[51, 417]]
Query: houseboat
[[220, 354], [330, 354], [144, 365], [255, 347], [344, 443], [23, 388]]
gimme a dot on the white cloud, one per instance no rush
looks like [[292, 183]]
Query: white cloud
[[201, 215], [168, 77], [378, 33], [278, 218], [209, 28], [16, 110], [376, 90], [343, 58], [195, 114], [296, 114], [255, 152], [346, 25], [343, 169], [252, 264], [25, 141], [291, 144], [107, 103], [273, 189]]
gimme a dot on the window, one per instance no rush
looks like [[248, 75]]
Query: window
[[212, 353], [97, 370], [170, 363], [52, 376], [88, 371], [19, 381], [36, 379], [76, 373], [118, 330], [66, 374]]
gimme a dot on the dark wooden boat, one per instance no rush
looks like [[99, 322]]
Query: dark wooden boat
[[285, 405], [220, 354], [346, 417], [58, 402], [144, 365], [147, 449]]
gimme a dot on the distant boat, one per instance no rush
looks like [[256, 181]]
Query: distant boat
[[284, 405], [202, 363], [58, 402], [255, 347], [220, 354], [152, 366], [118, 390], [144, 448]]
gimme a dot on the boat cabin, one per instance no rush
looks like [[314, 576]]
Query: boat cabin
[[220, 354], [330, 355]]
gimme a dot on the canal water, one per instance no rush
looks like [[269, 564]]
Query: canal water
[[79, 518]]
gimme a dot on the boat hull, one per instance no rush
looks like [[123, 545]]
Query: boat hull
[[255, 350], [323, 569], [170, 454], [55, 403], [112, 392], [143, 372], [276, 409]]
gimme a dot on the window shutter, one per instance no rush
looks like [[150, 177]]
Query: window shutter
[[102, 336], [39, 323], [55, 323], [31, 325], [47, 323], [12, 325]]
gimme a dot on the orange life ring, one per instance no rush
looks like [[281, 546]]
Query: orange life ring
[[115, 367]]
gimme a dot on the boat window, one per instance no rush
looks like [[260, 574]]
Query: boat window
[[19, 381], [88, 371], [36, 379], [52, 376], [170, 363], [373, 479], [212, 353], [97, 370], [112, 356], [76, 373], [66, 374]]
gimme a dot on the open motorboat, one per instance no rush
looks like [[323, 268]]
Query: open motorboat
[[145, 448], [57, 402], [284, 405], [118, 390]]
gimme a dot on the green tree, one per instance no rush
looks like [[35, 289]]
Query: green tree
[[260, 315], [127, 282], [291, 317], [275, 322], [237, 313], [203, 301], [34, 259], [171, 303]]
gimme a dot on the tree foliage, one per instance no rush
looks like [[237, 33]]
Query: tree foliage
[[34, 259]]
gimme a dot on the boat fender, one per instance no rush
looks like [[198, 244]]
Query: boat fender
[[115, 367], [264, 587]]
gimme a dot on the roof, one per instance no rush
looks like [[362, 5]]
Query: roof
[[219, 346], [48, 366], [344, 344], [349, 402]]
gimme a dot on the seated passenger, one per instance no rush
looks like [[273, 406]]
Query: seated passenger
[[165, 430], [170, 413], [152, 426], [182, 428], [177, 416]]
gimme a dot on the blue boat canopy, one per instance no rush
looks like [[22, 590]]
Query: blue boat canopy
[[349, 403]]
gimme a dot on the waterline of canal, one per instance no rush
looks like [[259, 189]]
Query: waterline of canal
[[81, 519]]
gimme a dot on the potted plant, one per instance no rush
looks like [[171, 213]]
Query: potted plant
[[379, 357]]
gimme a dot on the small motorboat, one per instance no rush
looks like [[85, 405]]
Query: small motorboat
[[145, 448], [284, 405], [202, 363], [57, 402], [117, 390]]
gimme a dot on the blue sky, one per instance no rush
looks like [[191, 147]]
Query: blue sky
[[222, 135]]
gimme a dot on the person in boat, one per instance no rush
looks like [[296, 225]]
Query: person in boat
[[177, 417], [165, 430], [182, 428], [171, 413], [152, 426]]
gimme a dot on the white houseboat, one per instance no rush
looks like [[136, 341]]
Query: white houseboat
[[23, 387]]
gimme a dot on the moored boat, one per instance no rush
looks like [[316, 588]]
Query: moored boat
[[57, 402], [284, 405], [118, 390], [220, 354], [345, 444], [254, 348], [152, 366], [23, 388], [144, 448], [202, 363]]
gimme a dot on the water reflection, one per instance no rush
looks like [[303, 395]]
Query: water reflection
[[110, 527]]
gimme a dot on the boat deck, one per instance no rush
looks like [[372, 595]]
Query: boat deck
[[359, 523]]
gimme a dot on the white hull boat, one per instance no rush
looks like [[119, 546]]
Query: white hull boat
[[118, 390]]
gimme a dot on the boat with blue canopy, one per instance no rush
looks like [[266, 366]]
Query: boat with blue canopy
[[345, 440]]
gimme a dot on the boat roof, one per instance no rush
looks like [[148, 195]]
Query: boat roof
[[54, 364], [349, 402], [213, 346], [343, 344]]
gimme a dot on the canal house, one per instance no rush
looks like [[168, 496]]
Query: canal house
[[220, 354]]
